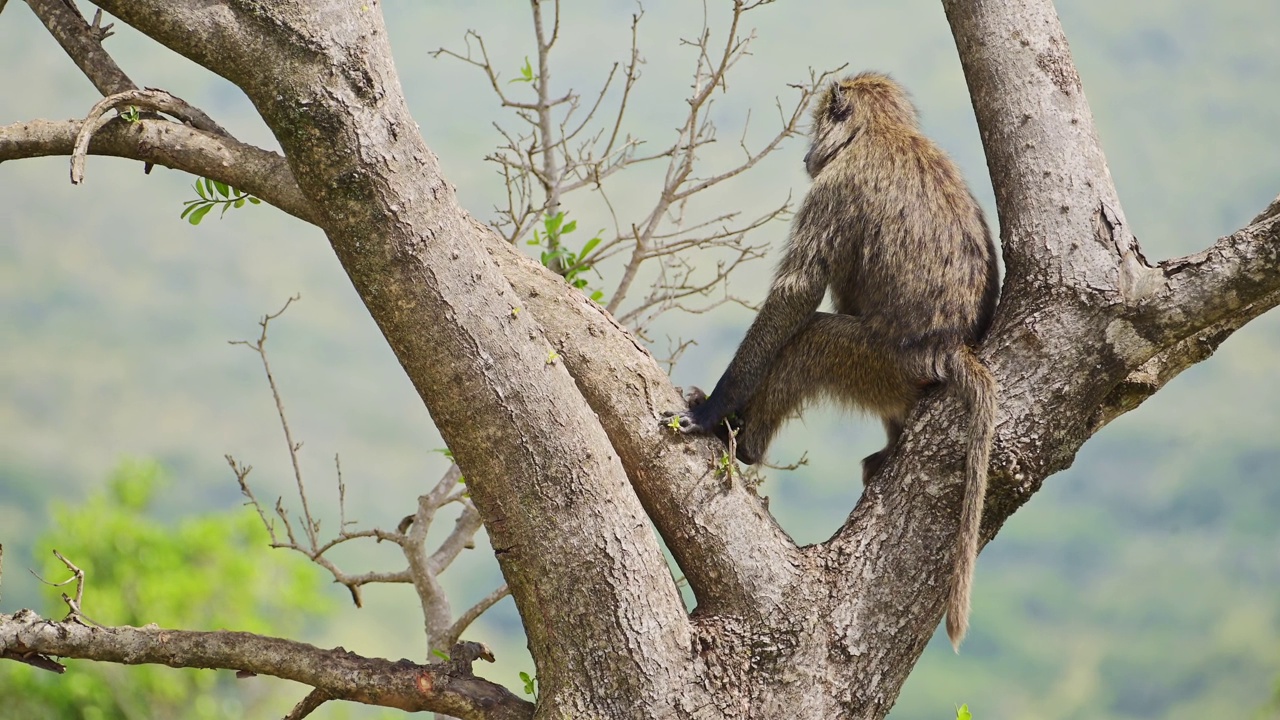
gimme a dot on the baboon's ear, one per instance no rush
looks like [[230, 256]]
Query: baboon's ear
[[841, 105]]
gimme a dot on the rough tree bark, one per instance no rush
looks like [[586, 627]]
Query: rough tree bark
[[553, 414]]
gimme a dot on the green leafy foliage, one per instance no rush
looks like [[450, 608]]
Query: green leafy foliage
[[962, 713], [213, 193], [530, 683], [572, 266], [131, 114], [206, 572]]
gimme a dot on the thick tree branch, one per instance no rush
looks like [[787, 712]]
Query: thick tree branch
[[261, 173], [1237, 276], [1167, 364], [340, 674], [1190, 305], [83, 43], [226, 38], [737, 559]]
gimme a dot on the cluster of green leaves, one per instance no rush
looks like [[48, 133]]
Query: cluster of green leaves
[[573, 266], [530, 683], [203, 573], [214, 194]]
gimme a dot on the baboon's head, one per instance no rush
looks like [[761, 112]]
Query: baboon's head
[[848, 107]]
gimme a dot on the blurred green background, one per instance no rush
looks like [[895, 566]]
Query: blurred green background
[[1142, 583]]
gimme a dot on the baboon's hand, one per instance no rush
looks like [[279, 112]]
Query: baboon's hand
[[692, 421]]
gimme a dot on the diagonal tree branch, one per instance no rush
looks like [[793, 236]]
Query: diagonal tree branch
[[737, 559], [83, 43], [342, 675]]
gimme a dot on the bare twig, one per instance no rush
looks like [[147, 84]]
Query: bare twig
[[308, 704], [561, 150], [74, 604], [423, 568], [469, 616], [310, 523]]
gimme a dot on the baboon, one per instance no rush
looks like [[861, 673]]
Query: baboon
[[891, 228]]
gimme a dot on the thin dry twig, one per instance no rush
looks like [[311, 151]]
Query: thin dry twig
[[74, 605], [258, 346], [309, 704], [469, 616], [410, 536], [565, 145]]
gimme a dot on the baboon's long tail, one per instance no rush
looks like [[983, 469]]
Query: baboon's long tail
[[978, 388]]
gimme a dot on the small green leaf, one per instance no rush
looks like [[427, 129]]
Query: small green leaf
[[569, 227], [963, 713], [222, 188], [440, 654], [200, 189], [552, 223], [530, 684], [253, 200], [598, 297], [239, 203], [591, 245], [199, 214], [526, 72]]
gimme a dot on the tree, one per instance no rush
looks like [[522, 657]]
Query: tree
[[551, 407], [197, 573]]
